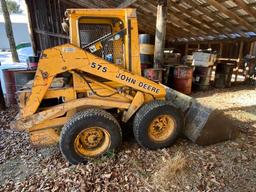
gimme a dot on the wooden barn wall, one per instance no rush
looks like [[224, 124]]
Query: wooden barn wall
[[45, 22], [224, 49]]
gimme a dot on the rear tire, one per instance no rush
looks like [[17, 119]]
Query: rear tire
[[157, 124], [89, 134]]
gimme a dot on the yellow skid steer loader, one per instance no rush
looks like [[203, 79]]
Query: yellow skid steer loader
[[83, 90]]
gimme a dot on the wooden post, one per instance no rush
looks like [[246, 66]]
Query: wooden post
[[221, 49], [30, 24], [241, 48], [253, 48], [160, 33], [209, 45], [186, 49]]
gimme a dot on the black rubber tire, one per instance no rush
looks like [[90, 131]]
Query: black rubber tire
[[144, 117], [82, 120]]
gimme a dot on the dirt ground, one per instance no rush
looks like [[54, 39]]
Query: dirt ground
[[226, 166]]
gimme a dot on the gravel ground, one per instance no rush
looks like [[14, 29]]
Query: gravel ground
[[226, 166]]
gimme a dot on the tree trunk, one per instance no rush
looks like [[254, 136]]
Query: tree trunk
[[2, 103], [9, 32]]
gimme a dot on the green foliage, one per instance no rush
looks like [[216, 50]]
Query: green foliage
[[13, 7]]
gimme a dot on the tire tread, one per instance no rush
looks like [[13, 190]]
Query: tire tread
[[91, 112], [141, 115]]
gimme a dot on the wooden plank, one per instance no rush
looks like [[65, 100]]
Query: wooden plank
[[149, 6], [200, 19], [172, 31], [222, 40], [232, 15], [146, 9], [160, 33], [246, 7], [191, 22], [213, 16], [31, 23], [127, 3], [226, 59]]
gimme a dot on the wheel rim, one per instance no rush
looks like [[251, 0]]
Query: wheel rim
[[92, 141], [161, 128]]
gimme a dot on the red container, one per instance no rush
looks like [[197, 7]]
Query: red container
[[14, 80], [153, 74], [183, 76], [10, 87]]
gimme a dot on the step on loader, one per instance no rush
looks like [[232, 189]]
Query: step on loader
[[84, 90]]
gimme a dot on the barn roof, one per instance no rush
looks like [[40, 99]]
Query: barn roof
[[192, 19]]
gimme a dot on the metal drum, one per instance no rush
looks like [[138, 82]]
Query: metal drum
[[146, 51], [223, 75], [202, 78], [14, 80], [10, 87], [182, 80]]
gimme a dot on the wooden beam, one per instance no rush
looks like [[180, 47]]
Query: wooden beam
[[149, 6], [232, 15], [246, 7], [126, 3], [214, 17], [186, 24], [214, 41], [143, 13], [30, 13], [90, 4], [172, 30], [70, 3], [191, 22], [200, 19], [161, 19]]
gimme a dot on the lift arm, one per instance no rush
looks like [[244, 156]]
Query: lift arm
[[68, 57]]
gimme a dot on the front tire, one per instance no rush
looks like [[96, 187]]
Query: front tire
[[157, 125], [89, 134]]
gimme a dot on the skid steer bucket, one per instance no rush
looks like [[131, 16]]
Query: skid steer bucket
[[203, 125]]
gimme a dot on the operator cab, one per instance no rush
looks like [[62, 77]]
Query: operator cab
[[106, 35]]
